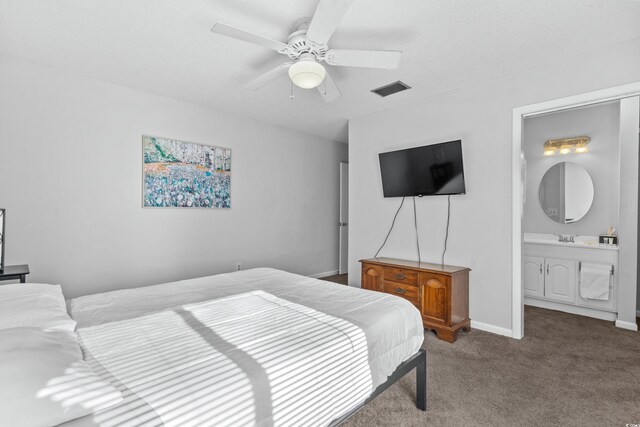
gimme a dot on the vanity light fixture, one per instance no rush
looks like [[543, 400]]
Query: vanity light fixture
[[565, 145], [582, 149]]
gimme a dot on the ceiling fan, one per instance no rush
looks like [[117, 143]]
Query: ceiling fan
[[307, 48]]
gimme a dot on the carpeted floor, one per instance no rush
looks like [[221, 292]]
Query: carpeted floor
[[336, 278], [567, 371]]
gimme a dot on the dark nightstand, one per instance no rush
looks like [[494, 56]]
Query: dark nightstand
[[13, 272]]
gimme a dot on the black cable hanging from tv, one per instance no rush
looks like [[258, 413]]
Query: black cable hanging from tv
[[446, 236], [415, 223], [392, 224]]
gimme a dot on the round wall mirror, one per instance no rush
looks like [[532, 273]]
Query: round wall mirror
[[566, 192]]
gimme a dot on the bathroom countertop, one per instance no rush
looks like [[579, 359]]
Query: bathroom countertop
[[590, 242]]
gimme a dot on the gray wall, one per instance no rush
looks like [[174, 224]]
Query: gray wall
[[481, 115], [601, 124], [71, 178]]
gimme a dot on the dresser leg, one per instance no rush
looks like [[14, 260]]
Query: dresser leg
[[450, 336]]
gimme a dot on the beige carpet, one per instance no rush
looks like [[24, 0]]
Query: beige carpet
[[567, 371]]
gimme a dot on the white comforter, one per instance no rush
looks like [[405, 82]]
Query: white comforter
[[257, 347]]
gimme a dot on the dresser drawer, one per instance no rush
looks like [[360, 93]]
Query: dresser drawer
[[400, 275], [404, 290]]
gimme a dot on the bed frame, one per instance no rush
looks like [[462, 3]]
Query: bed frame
[[418, 361]]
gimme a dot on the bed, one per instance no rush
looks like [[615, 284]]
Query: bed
[[257, 347]]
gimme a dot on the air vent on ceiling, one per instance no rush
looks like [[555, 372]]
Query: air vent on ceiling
[[392, 88]]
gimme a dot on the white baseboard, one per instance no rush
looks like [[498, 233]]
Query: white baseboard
[[572, 309], [325, 274], [491, 328], [626, 325]]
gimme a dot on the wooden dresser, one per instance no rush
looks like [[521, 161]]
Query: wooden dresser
[[440, 292]]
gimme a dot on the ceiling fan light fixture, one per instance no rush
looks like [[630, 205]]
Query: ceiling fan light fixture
[[307, 73]]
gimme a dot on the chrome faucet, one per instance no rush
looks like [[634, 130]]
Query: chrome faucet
[[566, 239]]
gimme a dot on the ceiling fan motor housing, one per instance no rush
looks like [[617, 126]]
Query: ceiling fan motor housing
[[299, 45]]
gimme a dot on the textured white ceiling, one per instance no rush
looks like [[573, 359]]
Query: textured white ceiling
[[165, 47]]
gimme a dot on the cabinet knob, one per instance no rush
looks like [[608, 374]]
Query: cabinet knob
[[540, 268], [400, 276], [400, 291]]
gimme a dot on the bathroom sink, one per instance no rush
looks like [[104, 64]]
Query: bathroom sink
[[579, 241]]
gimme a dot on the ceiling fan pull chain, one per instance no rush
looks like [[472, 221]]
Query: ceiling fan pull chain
[[291, 93], [325, 86]]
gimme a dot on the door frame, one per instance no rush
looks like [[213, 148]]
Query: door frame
[[519, 114], [343, 269]]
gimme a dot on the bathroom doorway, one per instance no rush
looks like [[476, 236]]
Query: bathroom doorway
[[565, 196]]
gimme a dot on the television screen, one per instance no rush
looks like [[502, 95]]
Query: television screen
[[423, 171]]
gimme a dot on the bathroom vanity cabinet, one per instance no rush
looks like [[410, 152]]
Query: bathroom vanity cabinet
[[552, 276]]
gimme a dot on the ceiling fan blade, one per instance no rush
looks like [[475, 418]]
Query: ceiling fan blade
[[268, 77], [328, 89], [325, 20], [237, 33], [389, 59]]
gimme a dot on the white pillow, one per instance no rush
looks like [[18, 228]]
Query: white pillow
[[45, 382], [34, 305]]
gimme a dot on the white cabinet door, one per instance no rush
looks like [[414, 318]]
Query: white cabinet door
[[561, 280], [533, 268]]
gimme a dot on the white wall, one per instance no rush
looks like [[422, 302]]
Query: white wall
[[480, 115], [71, 179], [601, 124]]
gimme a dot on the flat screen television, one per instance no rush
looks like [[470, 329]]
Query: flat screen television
[[429, 170]]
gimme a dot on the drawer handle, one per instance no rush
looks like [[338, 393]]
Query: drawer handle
[[400, 276], [400, 291]]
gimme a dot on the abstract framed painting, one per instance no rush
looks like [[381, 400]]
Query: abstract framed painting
[[180, 174]]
